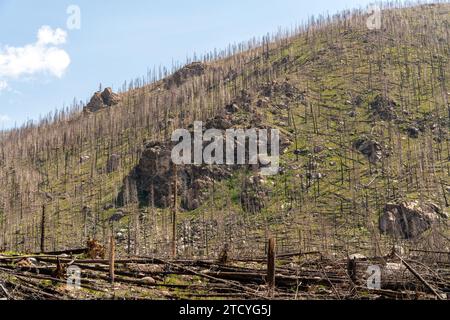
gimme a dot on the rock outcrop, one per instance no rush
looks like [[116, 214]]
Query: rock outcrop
[[384, 108], [275, 88], [154, 179], [102, 100], [370, 148], [110, 98], [194, 69], [409, 219]]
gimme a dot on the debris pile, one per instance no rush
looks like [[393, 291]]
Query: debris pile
[[298, 276]]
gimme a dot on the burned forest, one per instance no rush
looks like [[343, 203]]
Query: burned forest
[[362, 189]]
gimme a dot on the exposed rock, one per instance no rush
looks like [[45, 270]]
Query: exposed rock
[[148, 280], [155, 172], [232, 108], [370, 148], [357, 256], [318, 149], [113, 163], [96, 104], [244, 98], [409, 219], [352, 114], [192, 232], [282, 62], [116, 217], [108, 206], [356, 100], [314, 176], [263, 103], [84, 159], [285, 88], [413, 132], [102, 100], [198, 192], [301, 152], [384, 108], [220, 123], [254, 194], [110, 98], [121, 235], [191, 70], [153, 177]]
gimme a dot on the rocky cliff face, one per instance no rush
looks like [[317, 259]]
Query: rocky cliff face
[[102, 100], [154, 176]]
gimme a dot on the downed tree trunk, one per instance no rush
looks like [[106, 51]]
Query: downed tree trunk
[[393, 275], [416, 274], [63, 252]]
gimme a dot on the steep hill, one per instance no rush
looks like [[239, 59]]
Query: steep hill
[[364, 116]]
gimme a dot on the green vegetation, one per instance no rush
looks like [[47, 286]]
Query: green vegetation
[[329, 196]]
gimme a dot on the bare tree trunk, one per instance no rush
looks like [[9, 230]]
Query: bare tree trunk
[[43, 230], [271, 266], [174, 211], [112, 258]]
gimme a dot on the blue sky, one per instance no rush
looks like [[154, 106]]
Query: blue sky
[[120, 40]]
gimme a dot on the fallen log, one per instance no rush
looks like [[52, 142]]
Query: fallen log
[[415, 273], [8, 296], [242, 287], [44, 276], [281, 280], [63, 252], [279, 257]]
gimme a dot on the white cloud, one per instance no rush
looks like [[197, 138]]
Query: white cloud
[[47, 35], [4, 118], [43, 56], [3, 85]]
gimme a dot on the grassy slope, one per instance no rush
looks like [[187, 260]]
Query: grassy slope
[[338, 213]]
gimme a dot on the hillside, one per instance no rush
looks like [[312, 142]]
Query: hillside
[[365, 118]]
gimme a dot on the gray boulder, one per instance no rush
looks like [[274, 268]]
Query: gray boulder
[[409, 219], [370, 148]]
